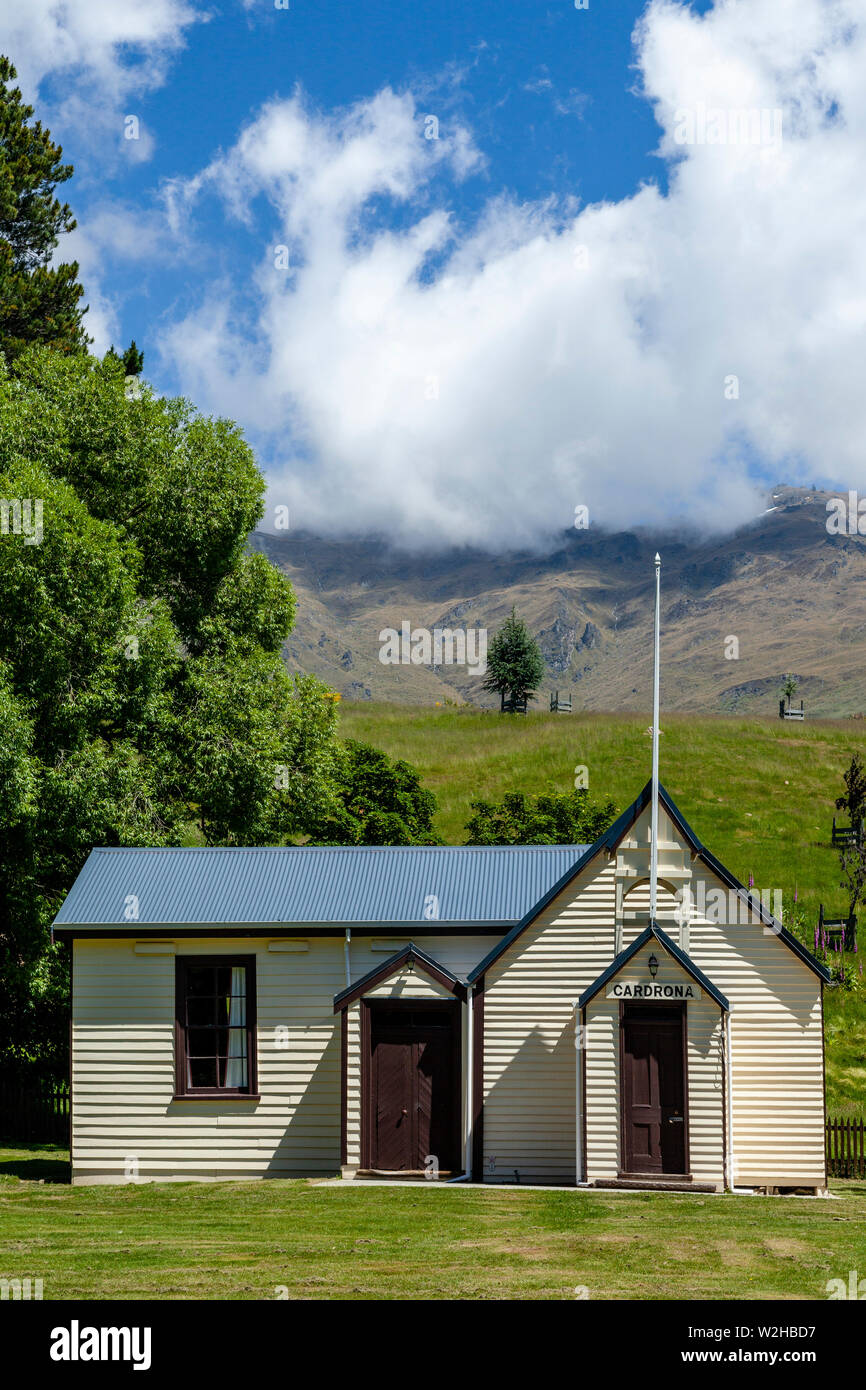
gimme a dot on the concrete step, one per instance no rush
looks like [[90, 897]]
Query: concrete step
[[402, 1175], [656, 1184]]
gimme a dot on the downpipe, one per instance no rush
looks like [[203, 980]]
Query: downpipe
[[466, 1175]]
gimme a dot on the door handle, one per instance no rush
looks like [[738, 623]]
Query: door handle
[[405, 1111]]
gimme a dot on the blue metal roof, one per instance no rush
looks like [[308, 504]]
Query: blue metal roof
[[312, 884]]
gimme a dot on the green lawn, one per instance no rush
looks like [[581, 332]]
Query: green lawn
[[247, 1240], [760, 793]]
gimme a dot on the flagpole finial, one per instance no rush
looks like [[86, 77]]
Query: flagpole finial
[[658, 559]]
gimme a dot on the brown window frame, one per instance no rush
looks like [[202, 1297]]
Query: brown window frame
[[182, 1090]]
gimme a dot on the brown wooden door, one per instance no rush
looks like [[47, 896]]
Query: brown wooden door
[[414, 1086], [653, 1080]]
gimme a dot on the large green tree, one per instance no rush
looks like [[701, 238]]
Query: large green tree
[[544, 820], [143, 698], [514, 663], [380, 802], [39, 302]]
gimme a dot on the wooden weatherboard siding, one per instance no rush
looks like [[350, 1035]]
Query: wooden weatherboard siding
[[529, 1068], [529, 1052], [126, 1123], [777, 1072], [705, 1074]]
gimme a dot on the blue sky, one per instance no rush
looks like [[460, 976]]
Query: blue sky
[[550, 92], [560, 301]]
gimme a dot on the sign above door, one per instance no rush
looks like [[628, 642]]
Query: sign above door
[[653, 990]]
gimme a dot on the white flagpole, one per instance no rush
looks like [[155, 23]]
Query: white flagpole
[[654, 822]]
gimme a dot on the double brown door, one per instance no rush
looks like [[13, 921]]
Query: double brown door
[[413, 1090], [653, 1082]]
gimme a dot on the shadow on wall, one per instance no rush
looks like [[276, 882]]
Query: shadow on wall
[[310, 1143], [529, 1112]]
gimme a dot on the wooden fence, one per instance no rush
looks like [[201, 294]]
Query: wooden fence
[[789, 711], [846, 1148], [846, 834], [34, 1111], [837, 931], [510, 704], [559, 704]]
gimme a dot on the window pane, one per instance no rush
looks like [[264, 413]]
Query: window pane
[[236, 1065], [202, 1071], [202, 1042], [200, 980], [200, 1011], [215, 1035]]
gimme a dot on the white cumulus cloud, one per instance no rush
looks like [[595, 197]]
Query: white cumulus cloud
[[101, 53], [444, 383]]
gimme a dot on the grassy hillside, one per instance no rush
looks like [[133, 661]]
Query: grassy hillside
[[759, 793]]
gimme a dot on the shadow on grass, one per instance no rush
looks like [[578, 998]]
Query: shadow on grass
[[33, 1162]]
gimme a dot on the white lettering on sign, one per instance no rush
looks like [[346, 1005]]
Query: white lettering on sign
[[622, 989]]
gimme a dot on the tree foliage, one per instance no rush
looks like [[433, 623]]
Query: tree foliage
[[143, 698], [514, 662], [853, 799], [544, 820], [380, 802], [39, 302], [132, 360]]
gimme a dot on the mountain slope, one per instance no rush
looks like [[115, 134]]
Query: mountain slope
[[791, 593]]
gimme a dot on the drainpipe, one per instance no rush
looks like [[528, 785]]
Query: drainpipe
[[729, 1118], [579, 1043], [466, 1175], [347, 944]]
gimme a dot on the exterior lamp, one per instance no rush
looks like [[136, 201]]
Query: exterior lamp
[[653, 966]]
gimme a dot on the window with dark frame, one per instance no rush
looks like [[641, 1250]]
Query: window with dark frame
[[215, 1025]]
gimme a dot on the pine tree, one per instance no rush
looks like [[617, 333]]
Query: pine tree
[[38, 302], [514, 663], [133, 360]]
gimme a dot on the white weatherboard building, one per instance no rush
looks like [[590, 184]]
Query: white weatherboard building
[[508, 1014]]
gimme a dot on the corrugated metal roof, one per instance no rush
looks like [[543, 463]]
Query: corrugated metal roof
[[307, 884]]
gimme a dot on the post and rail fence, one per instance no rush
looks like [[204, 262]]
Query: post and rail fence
[[846, 834]]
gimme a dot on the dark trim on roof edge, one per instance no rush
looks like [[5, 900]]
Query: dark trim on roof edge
[[654, 933], [71, 930], [608, 841], [412, 954]]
